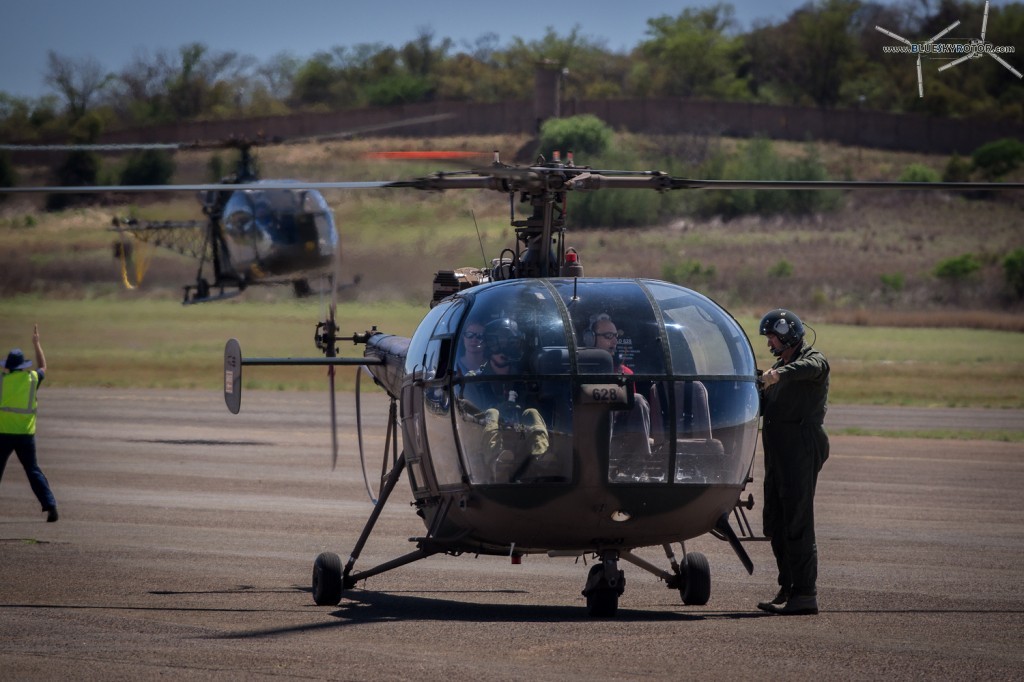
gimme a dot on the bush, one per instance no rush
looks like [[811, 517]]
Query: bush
[[782, 269], [757, 160], [398, 89], [893, 283], [917, 172], [586, 135], [8, 176], [1013, 268], [79, 169], [688, 273], [215, 168], [958, 269], [148, 167], [996, 159], [618, 208], [958, 169]]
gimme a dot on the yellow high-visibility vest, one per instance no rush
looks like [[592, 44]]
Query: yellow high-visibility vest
[[18, 402]]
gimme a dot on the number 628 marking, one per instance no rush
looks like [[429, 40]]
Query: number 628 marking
[[604, 394]]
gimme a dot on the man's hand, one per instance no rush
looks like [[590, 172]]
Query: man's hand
[[40, 357], [770, 378]]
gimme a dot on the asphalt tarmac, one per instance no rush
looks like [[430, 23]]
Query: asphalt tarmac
[[187, 537]]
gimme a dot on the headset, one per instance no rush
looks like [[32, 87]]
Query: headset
[[589, 338]]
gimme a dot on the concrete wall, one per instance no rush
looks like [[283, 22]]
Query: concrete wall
[[904, 132]]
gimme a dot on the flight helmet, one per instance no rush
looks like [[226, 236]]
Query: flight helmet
[[785, 325], [503, 336]]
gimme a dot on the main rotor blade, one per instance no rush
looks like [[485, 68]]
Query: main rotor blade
[[682, 183], [88, 147], [955, 62], [218, 187], [893, 35], [513, 179], [424, 155], [999, 59], [984, 22], [943, 32], [233, 142], [371, 129], [580, 179]]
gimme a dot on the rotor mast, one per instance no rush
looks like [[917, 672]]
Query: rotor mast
[[543, 233]]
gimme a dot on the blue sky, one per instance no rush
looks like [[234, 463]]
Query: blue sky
[[113, 31]]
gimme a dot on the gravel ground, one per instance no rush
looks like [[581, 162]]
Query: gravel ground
[[187, 536]]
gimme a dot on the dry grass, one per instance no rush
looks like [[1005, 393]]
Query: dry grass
[[841, 265]]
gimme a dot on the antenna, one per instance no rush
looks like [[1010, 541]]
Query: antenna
[[479, 239]]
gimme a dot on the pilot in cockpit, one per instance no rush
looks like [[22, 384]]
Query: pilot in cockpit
[[515, 436]]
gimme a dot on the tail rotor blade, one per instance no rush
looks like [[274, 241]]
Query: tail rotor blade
[[334, 419]]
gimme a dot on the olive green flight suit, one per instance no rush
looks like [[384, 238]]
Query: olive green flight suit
[[795, 447]]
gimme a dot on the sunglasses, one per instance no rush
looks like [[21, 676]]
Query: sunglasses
[[473, 335]]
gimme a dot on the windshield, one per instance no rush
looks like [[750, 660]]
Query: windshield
[[651, 381]]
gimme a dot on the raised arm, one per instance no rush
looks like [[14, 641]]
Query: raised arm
[[40, 357]]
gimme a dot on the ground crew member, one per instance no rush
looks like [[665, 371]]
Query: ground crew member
[[793, 404], [18, 403]]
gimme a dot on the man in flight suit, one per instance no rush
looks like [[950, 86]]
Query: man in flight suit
[[514, 436], [793, 403]]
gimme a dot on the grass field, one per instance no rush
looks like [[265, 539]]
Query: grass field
[[125, 342]]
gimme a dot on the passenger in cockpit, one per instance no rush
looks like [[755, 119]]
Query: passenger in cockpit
[[471, 349], [631, 430]]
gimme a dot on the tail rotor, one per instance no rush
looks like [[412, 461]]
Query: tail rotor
[[326, 339]]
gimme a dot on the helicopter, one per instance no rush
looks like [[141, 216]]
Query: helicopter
[[255, 232], [571, 479]]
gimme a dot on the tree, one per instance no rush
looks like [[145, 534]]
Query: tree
[[808, 56], [78, 81], [278, 74], [24, 119], [695, 54], [313, 80]]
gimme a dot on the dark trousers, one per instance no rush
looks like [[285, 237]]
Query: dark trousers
[[793, 455], [25, 447]]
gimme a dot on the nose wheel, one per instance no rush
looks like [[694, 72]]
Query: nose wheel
[[696, 589], [327, 582], [605, 584]]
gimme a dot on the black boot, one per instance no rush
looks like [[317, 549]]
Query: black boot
[[781, 598]]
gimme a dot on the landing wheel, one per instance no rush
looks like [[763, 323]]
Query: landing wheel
[[327, 584], [602, 598], [697, 574]]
